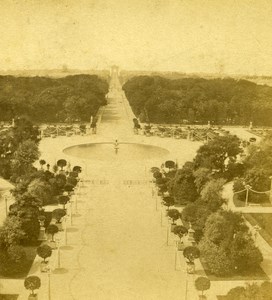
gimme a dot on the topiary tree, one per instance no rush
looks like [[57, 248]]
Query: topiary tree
[[61, 163], [77, 169], [52, 229], [191, 253], [202, 284], [68, 187], [32, 283], [180, 230], [72, 180], [63, 200], [169, 164], [73, 174], [44, 252], [57, 214], [154, 169], [168, 201], [173, 214], [157, 174], [42, 163]]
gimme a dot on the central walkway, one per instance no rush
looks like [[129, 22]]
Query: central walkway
[[123, 254]]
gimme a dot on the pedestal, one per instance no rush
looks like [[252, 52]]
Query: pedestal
[[42, 235]]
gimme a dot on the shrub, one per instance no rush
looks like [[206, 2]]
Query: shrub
[[44, 251], [58, 213], [191, 253], [13, 261], [52, 229], [32, 283], [202, 284], [174, 214]]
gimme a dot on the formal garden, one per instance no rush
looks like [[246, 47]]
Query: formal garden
[[193, 194]]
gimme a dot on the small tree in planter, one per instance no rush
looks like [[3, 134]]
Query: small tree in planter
[[157, 174], [68, 188], [62, 200], [191, 253], [61, 163], [168, 201], [72, 180], [169, 164], [57, 214], [32, 283], [44, 252], [173, 214], [77, 169], [154, 169], [42, 163], [180, 231], [202, 284], [52, 230], [73, 174]]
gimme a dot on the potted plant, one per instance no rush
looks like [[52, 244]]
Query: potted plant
[[180, 231], [44, 252], [58, 214], [191, 253], [202, 284], [32, 283], [61, 163], [168, 201], [173, 214], [62, 200], [52, 229]]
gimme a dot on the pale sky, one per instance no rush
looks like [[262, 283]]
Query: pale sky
[[231, 36]]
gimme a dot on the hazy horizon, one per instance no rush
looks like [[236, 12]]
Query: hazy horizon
[[186, 36]]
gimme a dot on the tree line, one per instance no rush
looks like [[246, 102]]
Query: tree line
[[197, 100], [46, 99]]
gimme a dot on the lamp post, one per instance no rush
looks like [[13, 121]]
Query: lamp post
[[270, 194], [65, 230], [58, 246], [6, 205], [247, 187], [49, 282]]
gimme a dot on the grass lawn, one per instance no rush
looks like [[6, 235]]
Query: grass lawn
[[30, 256], [222, 297], [265, 222], [8, 297], [257, 274], [239, 203]]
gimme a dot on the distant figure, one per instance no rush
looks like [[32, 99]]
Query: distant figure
[[116, 146]]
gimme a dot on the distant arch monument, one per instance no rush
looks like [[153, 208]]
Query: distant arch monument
[[114, 70]]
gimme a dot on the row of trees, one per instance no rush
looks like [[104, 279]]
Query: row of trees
[[52, 99], [33, 189], [221, 101], [222, 236]]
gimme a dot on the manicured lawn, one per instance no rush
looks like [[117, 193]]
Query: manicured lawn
[[30, 256], [8, 297], [257, 274], [265, 222], [239, 203], [221, 297]]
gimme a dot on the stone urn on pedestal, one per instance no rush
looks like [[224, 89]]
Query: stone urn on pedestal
[[42, 235]]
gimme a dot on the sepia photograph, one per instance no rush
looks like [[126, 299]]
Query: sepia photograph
[[136, 150]]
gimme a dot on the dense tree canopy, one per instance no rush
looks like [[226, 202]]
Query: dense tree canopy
[[221, 101], [51, 99]]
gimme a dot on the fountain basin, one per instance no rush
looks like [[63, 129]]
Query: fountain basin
[[125, 151]]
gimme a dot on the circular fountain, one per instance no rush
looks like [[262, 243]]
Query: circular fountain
[[112, 151]]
